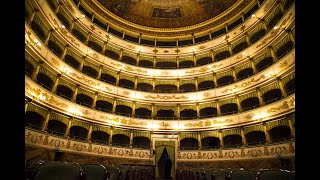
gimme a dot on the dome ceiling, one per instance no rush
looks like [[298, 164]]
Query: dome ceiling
[[166, 13]]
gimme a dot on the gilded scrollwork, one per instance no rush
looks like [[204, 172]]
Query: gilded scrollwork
[[128, 68], [283, 106], [165, 97], [243, 85], [203, 69]]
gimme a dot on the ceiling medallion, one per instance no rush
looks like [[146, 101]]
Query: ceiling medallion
[[120, 8]]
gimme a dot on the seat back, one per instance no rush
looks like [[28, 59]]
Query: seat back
[[275, 175], [94, 171], [59, 171], [243, 175]]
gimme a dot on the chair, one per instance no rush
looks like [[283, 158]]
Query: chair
[[95, 171], [60, 171]]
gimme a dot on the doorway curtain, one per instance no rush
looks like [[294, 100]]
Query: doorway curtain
[[170, 146]]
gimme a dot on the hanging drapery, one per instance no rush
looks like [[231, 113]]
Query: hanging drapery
[[265, 55], [166, 60], [205, 134], [233, 131], [124, 103], [76, 56], [288, 78], [97, 41], [192, 106], [31, 60], [148, 58], [238, 41], [47, 72], [170, 82], [188, 135], [272, 14], [224, 48], [242, 67], [130, 78], [102, 128], [206, 105], [80, 30], [248, 96], [104, 98], [134, 56], [141, 134], [257, 127], [226, 73], [34, 108], [90, 64], [76, 122], [86, 92], [59, 117], [38, 21], [121, 131], [205, 78], [256, 29], [206, 54], [66, 83], [228, 101], [269, 87], [146, 106], [283, 41], [170, 147], [116, 50], [146, 81], [173, 108], [276, 123], [185, 59], [57, 42], [186, 81]]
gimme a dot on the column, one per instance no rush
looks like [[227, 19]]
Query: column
[[179, 134], [210, 36], [57, 8], [281, 6], [221, 139], [104, 47], [118, 78], [154, 61], [194, 59], [153, 113], [177, 61], [88, 38], [244, 140], [233, 69], [45, 123], [139, 40], [261, 102], [89, 133], [226, 26], [258, 3], [215, 79], [199, 140], [48, 37], [81, 63], [66, 134], [178, 111], [153, 84], [283, 91], [155, 42], [35, 73], [92, 17], [211, 54], [100, 71], [138, 59], [123, 34], [230, 49], [133, 109], [131, 138], [198, 110], [121, 54], [218, 108], [74, 96], [196, 83], [289, 31], [177, 42], [72, 24], [273, 54], [135, 83], [266, 132], [110, 137], [242, 16], [193, 39], [247, 38], [64, 51], [26, 106], [114, 104], [35, 10], [238, 103], [292, 129], [264, 25], [79, 3], [253, 66], [54, 88], [178, 85], [94, 100]]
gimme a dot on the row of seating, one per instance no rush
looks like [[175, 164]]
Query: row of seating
[[239, 174], [54, 170]]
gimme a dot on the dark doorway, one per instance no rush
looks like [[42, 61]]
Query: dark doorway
[[164, 165]]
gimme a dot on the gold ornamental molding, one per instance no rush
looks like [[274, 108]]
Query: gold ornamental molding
[[53, 101], [44, 140], [119, 43], [244, 153]]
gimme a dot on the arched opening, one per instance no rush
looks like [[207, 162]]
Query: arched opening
[[38, 30], [55, 48], [189, 143], [120, 140], [141, 142], [166, 88], [208, 112], [72, 61], [256, 36], [95, 46], [108, 78], [280, 133], [45, 81], [144, 87], [28, 67], [84, 100], [232, 141], [274, 20], [249, 103], [264, 63], [33, 120], [187, 88], [290, 87], [255, 138], [142, 113], [111, 54], [100, 137], [225, 80], [63, 19], [90, 71], [126, 83], [272, 96], [210, 143], [244, 73], [204, 60], [104, 106], [221, 55], [123, 110], [79, 35], [145, 63], [64, 91], [166, 65], [188, 114], [239, 47], [284, 49], [165, 114], [78, 132], [186, 64], [206, 85], [129, 60], [229, 109], [56, 127]]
